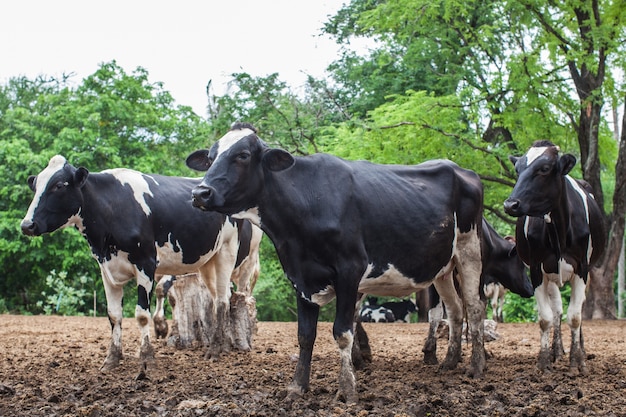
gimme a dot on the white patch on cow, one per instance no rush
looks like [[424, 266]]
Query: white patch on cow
[[380, 314], [75, 220], [137, 183], [118, 270], [583, 197], [566, 271], [229, 139], [170, 261], [323, 297], [581, 192], [534, 153], [56, 164], [392, 283], [251, 214]]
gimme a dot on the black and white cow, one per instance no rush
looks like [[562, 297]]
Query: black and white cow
[[560, 235], [495, 293], [138, 225], [341, 228], [373, 313], [400, 310]]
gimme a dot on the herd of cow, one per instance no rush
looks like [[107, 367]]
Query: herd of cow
[[342, 230]]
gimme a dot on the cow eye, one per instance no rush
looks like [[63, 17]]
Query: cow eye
[[545, 169], [243, 156], [60, 185]]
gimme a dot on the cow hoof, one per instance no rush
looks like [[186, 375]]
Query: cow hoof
[[430, 359], [348, 398], [294, 392], [476, 372], [110, 363], [142, 376], [108, 366]]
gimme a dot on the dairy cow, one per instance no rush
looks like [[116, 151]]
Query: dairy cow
[[341, 228], [495, 293], [560, 235], [138, 225]]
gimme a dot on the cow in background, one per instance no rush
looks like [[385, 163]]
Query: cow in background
[[495, 293], [341, 228], [560, 235], [397, 311], [138, 225]]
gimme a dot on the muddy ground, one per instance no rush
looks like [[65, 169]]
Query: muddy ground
[[50, 367]]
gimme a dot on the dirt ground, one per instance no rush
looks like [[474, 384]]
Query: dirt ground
[[50, 367]]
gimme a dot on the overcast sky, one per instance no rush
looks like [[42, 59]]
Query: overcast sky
[[182, 43]]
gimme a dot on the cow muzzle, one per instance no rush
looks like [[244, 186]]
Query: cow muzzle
[[513, 207], [29, 228], [204, 197]]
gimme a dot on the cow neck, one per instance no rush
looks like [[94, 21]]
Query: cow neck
[[94, 188], [557, 223]]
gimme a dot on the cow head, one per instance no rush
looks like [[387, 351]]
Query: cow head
[[541, 175], [235, 166], [58, 198]]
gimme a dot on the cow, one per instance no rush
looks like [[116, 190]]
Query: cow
[[495, 293], [341, 228], [138, 225], [372, 313], [400, 310], [560, 236]]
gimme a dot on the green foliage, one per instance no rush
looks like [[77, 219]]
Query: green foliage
[[274, 294], [67, 298]]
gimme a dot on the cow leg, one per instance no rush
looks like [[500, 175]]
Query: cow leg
[[158, 318], [435, 316], [469, 265], [308, 314], [557, 310], [454, 309], [344, 336], [114, 294], [361, 350], [574, 320], [142, 315], [546, 322]]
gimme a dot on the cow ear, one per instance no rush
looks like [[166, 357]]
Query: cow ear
[[32, 180], [513, 252], [199, 160], [80, 176], [513, 159], [566, 163], [278, 160]]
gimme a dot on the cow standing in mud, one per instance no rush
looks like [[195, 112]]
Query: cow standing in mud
[[138, 225], [560, 235], [342, 228]]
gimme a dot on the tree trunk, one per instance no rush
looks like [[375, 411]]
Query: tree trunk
[[600, 297]]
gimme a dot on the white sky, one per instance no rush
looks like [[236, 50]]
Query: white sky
[[182, 43]]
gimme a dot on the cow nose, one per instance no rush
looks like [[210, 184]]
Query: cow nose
[[29, 228], [512, 206], [200, 196]]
